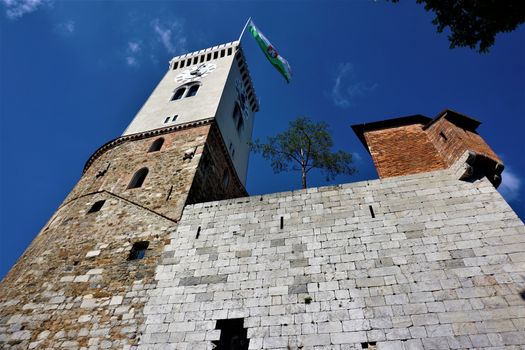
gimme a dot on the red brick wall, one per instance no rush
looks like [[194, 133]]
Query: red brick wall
[[403, 150], [452, 141]]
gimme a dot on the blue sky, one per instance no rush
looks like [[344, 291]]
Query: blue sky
[[73, 75]]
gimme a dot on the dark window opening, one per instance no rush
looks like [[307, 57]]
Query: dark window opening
[[443, 136], [156, 145], [237, 117], [181, 64], [229, 51], [202, 59], [174, 117], [225, 178], [372, 211], [368, 345], [215, 55], [188, 61], [233, 335], [198, 233], [138, 251], [96, 206], [175, 65], [208, 57], [282, 222], [223, 52], [240, 124], [178, 94], [193, 90], [166, 120], [138, 178], [195, 60]]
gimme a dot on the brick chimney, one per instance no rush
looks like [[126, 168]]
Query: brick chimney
[[416, 144]]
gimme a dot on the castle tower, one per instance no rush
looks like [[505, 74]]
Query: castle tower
[[88, 270]]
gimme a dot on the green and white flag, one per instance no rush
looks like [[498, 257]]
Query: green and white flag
[[271, 53]]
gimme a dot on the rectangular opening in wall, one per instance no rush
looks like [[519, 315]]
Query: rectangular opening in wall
[[202, 58], [195, 60], [282, 222], [96, 206], [230, 51], [233, 335], [215, 55], [198, 233], [138, 251], [208, 57], [188, 62], [372, 211], [223, 52], [182, 64], [174, 117], [443, 136], [175, 65], [166, 120]]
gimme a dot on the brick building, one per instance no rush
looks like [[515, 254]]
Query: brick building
[[159, 246]]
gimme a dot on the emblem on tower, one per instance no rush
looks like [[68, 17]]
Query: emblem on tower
[[195, 72]]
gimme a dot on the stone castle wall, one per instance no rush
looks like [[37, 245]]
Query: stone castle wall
[[74, 287], [419, 261]]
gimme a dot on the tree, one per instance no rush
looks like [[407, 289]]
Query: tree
[[474, 22], [304, 146]]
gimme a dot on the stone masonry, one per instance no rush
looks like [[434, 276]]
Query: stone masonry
[[74, 287], [423, 261]]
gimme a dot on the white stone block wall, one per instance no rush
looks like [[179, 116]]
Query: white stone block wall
[[441, 266]]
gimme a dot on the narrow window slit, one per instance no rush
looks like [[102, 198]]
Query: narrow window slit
[[443, 136], [372, 211], [198, 233], [169, 194], [282, 222]]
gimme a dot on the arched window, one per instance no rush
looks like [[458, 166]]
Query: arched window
[[225, 178], [179, 93], [193, 90], [237, 118], [156, 145], [138, 178]]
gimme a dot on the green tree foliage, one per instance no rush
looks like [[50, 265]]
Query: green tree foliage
[[475, 22], [304, 146]]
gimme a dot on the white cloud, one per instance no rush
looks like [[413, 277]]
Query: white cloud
[[17, 8], [347, 88], [134, 46], [510, 185], [132, 61], [170, 35], [65, 28], [356, 157]]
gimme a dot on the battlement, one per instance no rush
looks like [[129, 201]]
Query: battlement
[[217, 52]]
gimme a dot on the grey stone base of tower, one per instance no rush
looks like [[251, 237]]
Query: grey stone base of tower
[[422, 261]]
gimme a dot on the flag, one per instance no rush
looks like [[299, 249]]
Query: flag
[[271, 53]]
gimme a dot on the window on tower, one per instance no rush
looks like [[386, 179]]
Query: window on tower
[[193, 90], [179, 93], [138, 251], [156, 145], [237, 116], [138, 178], [96, 206]]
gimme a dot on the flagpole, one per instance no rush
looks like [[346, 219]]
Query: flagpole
[[243, 29]]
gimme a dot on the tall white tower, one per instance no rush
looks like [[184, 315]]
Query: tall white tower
[[208, 84]]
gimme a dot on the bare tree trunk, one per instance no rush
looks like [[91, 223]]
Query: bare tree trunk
[[303, 169]]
